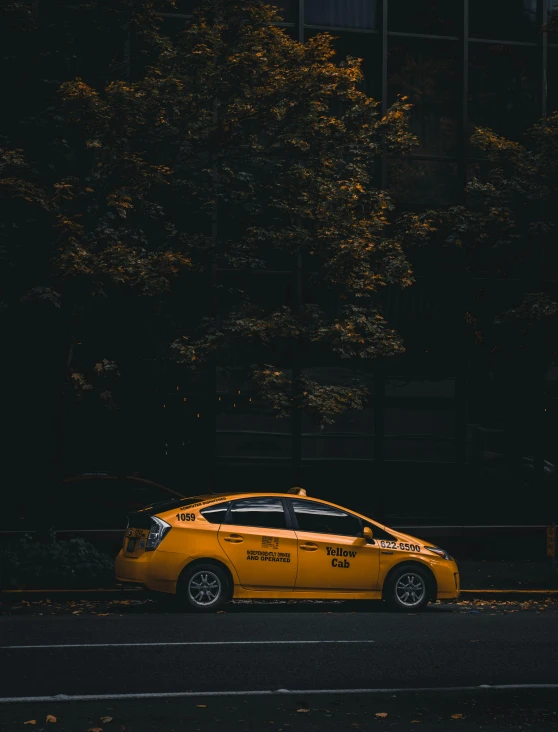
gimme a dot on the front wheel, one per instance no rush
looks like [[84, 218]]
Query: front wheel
[[204, 588], [407, 589]]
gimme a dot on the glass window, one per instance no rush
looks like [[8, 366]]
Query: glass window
[[340, 447], [358, 45], [426, 72], [423, 182], [324, 519], [216, 514], [265, 512], [185, 7], [287, 9], [503, 19], [341, 13], [504, 86], [435, 17], [173, 27], [552, 80], [246, 425], [430, 450], [351, 434], [552, 23]]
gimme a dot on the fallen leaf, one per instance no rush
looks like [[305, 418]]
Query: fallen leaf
[[106, 720], [95, 729], [457, 716], [303, 711], [201, 706], [415, 721], [31, 721], [50, 718], [381, 714]]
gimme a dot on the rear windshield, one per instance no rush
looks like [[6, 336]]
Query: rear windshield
[[141, 519]]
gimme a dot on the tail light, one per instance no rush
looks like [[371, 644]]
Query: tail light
[[157, 532]]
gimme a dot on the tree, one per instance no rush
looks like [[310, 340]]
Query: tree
[[506, 230], [282, 146], [235, 147]]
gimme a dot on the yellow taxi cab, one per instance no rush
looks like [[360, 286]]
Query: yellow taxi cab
[[209, 549]]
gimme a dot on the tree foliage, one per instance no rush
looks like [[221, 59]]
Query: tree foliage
[[231, 121], [276, 140], [506, 229]]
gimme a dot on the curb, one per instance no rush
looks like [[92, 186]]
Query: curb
[[509, 594], [85, 594]]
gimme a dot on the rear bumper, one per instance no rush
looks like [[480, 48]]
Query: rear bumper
[[156, 571]]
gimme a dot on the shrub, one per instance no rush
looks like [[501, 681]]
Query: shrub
[[73, 563]]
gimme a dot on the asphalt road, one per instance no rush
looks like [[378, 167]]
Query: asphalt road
[[267, 649], [524, 710]]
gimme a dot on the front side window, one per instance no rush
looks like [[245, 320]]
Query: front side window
[[322, 519], [216, 514], [266, 513]]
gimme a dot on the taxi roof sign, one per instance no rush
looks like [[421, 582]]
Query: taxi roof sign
[[297, 491]]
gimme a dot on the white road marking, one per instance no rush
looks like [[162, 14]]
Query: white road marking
[[270, 692], [185, 643]]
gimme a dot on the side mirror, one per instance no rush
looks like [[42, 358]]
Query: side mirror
[[367, 533]]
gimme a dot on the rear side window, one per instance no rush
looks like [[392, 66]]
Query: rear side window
[[324, 519], [216, 514], [266, 513]]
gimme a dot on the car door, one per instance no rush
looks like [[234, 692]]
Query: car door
[[257, 538], [331, 554]]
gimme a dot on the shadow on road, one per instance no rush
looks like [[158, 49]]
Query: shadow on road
[[166, 606], [259, 607]]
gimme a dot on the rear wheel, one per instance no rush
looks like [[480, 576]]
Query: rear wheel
[[203, 588], [407, 589]]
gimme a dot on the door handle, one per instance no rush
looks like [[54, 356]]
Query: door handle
[[234, 538], [309, 547]]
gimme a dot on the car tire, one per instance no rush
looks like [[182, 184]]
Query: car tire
[[408, 589], [203, 589]]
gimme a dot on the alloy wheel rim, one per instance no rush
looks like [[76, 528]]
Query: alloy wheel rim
[[204, 588], [410, 589]]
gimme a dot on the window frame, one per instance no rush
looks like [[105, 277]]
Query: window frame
[[288, 519], [335, 508]]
